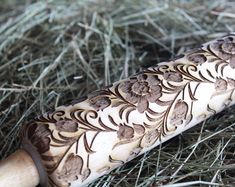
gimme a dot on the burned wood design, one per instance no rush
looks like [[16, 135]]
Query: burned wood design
[[84, 140]]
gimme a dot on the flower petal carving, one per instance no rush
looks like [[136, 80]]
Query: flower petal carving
[[179, 113], [173, 76], [220, 84], [197, 58], [99, 100], [142, 104], [139, 129], [66, 125], [231, 82], [125, 132], [225, 49], [72, 168], [141, 89]]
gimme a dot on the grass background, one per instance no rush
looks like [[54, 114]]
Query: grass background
[[54, 51]]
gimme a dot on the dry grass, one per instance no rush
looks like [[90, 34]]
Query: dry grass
[[52, 52]]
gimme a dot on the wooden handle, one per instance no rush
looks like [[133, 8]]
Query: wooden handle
[[88, 138], [18, 170]]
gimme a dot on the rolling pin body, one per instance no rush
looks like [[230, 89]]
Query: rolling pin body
[[86, 139]]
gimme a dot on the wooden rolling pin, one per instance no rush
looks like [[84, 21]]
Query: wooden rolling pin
[[86, 139]]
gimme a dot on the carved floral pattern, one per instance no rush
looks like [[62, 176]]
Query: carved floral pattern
[[141, 89], [197, 58], [141, 111], [231, 82], [150, 137], [125, 132], [224, 48], [179, 113], [72, 168], [221, 84], [173, 76], [139, 129], [99, 100], [66, 125]]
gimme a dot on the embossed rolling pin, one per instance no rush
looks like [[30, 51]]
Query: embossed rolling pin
[[86, 139]]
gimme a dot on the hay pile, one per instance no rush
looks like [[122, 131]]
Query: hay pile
[[52, 52]]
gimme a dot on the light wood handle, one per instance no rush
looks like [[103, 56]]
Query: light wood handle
[[18, 170], [88, 138]]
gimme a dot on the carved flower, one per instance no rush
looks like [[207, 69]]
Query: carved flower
[[197, 58], [179, 113], [173, 76], [225, 49], [39, 136], [125, 132], [220, 84], [99, 99], [141, 89], [66, 125], [72, 168]]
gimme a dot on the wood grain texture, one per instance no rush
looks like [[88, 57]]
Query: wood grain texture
[[86, 139], [18, 170]]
